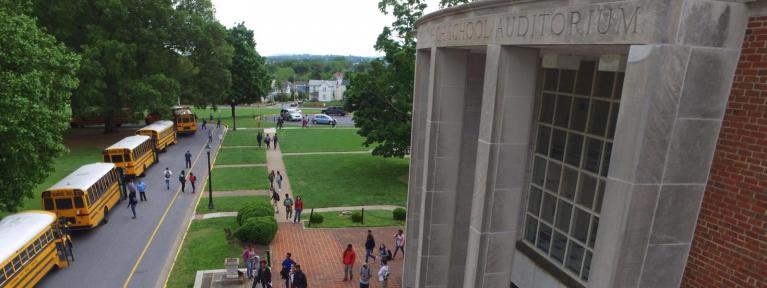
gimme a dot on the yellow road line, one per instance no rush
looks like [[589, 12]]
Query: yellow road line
[[156, 228]]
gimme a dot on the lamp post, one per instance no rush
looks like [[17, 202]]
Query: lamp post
[[210, 180]]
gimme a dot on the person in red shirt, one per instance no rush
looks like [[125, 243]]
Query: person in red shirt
[[299, 205], [192, 179], [348, 259]]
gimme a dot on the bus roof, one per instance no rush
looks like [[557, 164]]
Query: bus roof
[[84, 177], [158, 126], [18, 229], [130, 142]]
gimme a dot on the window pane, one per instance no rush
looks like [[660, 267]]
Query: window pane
[[585, 75], [593, 153], [530, 229], [600, 194], [65, 203], [551, 76], [31, 251], [552, 176], [588, 186], [547, 210], [539, 170], [564, 210], [566, 81], [562, 116], [17, 263], [48, 204], [598, 117], [547, 108], [544, 238], [586, 266], [580, 114], [79, 202], [574, 257], [604, 84], [613, 120], [618, 86], [534, 201], [593, 233], [569, 183], [580, 225], [8, 269], [606, 159], [558, 138], [558, 247], [117, 158], [24, 256], [574, 147], [542, 145]]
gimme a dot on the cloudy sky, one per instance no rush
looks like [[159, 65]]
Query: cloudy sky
[[342, 27]]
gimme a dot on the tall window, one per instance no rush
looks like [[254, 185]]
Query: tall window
[[574, 134]]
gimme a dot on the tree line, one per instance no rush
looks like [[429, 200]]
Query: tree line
[[309, 67]]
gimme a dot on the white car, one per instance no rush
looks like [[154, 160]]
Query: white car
[[295, 116]]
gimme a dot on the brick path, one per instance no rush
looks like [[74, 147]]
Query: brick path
[[319, 251]]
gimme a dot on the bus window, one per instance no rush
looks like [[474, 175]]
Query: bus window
[[17, 263], [117, 158], [79, 202], [106, 158], [38, 244], [64, 203], [8, 270], [2, 277], [48, 203], [24, 256], [31, 251]]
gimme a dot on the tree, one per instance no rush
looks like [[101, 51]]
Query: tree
[[37, 75], [250, 78], [381, 95]]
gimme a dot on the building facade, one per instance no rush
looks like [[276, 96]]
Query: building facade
[[589, 143], [327, 90]]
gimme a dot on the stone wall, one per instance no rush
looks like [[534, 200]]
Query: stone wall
[[730, 244]]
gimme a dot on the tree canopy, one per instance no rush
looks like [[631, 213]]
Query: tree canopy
[[250, 78], [37, 75]]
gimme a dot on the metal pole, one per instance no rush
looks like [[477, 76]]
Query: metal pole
[[310, 218], [210, 185], [363, 215]]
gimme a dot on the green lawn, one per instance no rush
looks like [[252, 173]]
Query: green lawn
[[320, 140], [241, 178], [62, 167], [241, 138], [229, 156], [372, 218], [205, 247], [245, 116], [227, 204], [347, 180]]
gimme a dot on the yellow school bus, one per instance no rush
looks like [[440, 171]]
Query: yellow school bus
[[186, 121], [84, 198], [134, 154], [33, 243], [163, 134]]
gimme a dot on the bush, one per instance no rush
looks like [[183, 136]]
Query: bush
[[254, 209], [316, 219], [259, 230], [357, 217], [399, 214]]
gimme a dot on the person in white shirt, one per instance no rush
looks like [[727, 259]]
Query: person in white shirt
[[383, 274]]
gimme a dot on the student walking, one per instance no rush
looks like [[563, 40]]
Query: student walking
[[271, 178], [288, 206], [370, 244], [299, 207], [383, 275], [218, 122], [384, 253], [287, 264], [267, 140], [247, 256], [399, 243], [167, 174], [210, 136], [348, 260], [264, 276], [275, 139], [132, 187], [182, 179], [365, 276], [141, 190], [132, 203], [275, 200], [299, 278], [279, 181], [259, 138], [203, 123], [188, 158], [192, 180]]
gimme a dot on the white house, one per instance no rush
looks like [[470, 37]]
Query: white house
[[328, 90]]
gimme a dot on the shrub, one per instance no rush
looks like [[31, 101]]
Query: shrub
[[259, 230], [254, 209], [399, 214], [316, 219], [357, 217]]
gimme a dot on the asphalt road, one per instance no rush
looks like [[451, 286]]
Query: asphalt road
[[138, 252], [343, 121]]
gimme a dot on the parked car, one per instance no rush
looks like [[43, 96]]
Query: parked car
[[288, 112], [323, 119], [332, 110], [295, 116]]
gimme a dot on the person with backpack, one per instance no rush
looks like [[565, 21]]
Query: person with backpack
[[399, 243], [348, 260], [287, 264], [264, 276], [299, 207], [299, 278], [167, 174], [275, 200], [288, 206], [384, 253], [132, 203], [370, 244], [259, 138], [279, 180], [192, 180], [383, 275], [267, 140], [275, 139], [182, 179], [271, 178], [188, 159], [365, 276]]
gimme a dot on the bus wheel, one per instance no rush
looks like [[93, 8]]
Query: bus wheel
[[106, 216]]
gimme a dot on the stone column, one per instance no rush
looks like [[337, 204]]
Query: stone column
[[502, 157]]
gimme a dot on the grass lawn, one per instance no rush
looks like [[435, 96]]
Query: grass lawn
[[245, 116], [347, 180], [241, 138], [229, 156], [373, 218], [320, 140], [205, 247], [241, 178], [228, 204], [62, 167]]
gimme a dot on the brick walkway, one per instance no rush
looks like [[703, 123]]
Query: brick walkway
[[319, 251]]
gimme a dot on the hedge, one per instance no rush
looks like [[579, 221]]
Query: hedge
[[254, 209], [399, 214], [259, 230]]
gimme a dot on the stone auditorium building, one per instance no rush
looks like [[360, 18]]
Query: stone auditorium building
[[590, 143]]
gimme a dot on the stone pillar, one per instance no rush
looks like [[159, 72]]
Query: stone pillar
[[502, 156], [672, 105]]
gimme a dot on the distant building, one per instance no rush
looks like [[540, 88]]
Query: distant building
[[300, 87], [328, 90]]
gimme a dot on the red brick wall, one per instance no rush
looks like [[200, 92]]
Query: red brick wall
[[730, 244]]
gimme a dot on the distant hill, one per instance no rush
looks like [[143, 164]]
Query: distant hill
[[351, 58]]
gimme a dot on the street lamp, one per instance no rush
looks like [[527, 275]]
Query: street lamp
[[210, 180]]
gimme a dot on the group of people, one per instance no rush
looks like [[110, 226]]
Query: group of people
[[270, 141], [132, 189], [257, 268], [385, 256]]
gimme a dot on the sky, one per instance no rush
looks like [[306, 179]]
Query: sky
[[339, 27]]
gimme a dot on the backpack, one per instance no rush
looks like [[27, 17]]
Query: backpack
[[388, 255], [167, 173], [288, 202]]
